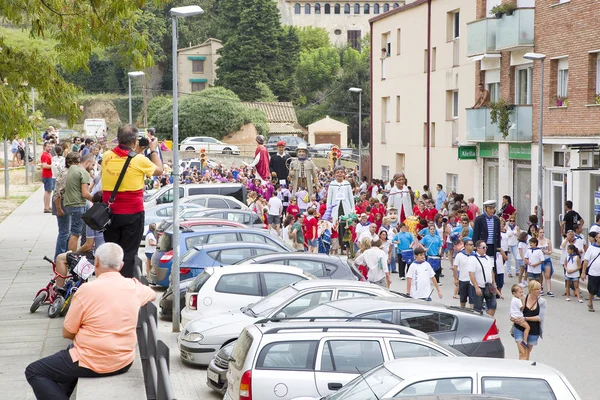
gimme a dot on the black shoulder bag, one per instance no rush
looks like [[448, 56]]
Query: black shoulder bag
[[99, 216], [489, 290]]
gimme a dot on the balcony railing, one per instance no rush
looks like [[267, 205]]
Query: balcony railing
[[481, 36], [481, 129], [515, 30]]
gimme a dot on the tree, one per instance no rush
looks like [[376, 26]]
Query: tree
[[77, 27], [312, 38], [266, 94], [212, 112], [317, 70], [257, 49]]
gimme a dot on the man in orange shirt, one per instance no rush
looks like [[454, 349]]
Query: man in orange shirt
[[102, 322]]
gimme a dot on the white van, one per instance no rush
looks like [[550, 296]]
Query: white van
[[95, 128]]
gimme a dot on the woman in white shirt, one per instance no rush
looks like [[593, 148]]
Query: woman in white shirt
[[150, 247], [512, 234]]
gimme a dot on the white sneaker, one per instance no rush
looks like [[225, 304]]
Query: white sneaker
[[523, 284], [403, 278]]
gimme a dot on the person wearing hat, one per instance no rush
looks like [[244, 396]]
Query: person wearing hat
[[261, 159], [487, 228], [279, 163], [303, 172]]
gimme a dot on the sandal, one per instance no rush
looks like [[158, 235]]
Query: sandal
[[581, 301], [568, 299], [456, 296], [510, 275], [591, 308]]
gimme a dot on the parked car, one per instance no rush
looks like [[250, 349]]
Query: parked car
[[165, 224], [320, 265], [291, 143], [165, 304], [195, 163], [522, 380], [210, 144], [245, 217], [190, 236], [468, 331], [321, 149], [155, 215], [198, 257], [215, 201], [203, 337], [317, 358], [165, 194]]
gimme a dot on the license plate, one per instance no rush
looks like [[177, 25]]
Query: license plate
[[213, 376]]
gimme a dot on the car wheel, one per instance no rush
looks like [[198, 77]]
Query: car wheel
[[189, 149], [227, 150]]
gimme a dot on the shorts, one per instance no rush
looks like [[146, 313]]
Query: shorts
[[274, 219], [500, 281], [521, 264], [449, 246], [48, 184], [531, 276], [313, 243], [478, 301], [463, 291], [572, 279], [76, 222], [593, 285], [149, 255], [335, 244], [532, 340], [547, 263]]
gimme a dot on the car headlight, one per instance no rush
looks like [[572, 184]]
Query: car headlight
[[192, 337]]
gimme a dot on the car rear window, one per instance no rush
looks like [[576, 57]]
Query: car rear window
[[295, 356], [519, 388], [240, 351], [197, 284]]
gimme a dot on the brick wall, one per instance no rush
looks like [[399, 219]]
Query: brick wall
[[569, 29]]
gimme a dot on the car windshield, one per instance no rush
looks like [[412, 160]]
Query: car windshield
[[273, 300], [323, 310], [372, 385], [188, 255], [154, 195]]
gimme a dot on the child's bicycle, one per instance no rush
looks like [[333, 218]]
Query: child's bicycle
[[48, 294]]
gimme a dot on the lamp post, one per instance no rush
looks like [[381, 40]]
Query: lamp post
[[176, 12], [541, 58], [359, 91], [132, 75]]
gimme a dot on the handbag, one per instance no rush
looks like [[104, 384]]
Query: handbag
[[99, 216], [489, 290]]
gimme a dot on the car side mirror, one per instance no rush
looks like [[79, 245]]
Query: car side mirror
[[159, 201], [280, 315]]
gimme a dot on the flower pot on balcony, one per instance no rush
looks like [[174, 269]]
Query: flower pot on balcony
[[498, 15], [559, 102], [509, 12]]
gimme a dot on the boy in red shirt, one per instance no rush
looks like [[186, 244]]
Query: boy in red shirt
[[47, 178], [311, 234]]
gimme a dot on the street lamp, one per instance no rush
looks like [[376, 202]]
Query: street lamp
[[359, 91], [541, 58], [176, 12], [132, 75]]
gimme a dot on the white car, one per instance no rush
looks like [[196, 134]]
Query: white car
[[317, 358], [523, 380], [202, 338], [203, 300], [214, 201], [210, 144]]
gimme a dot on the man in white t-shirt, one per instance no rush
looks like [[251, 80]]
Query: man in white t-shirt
[[362, 226], [275, 212], [591, 269], [534, 258], [420, 277], [371, 233], [596, 226], [461, 273], [481, 273], [376, 261]]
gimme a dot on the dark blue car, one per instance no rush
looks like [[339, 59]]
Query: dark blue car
[[162, 259]]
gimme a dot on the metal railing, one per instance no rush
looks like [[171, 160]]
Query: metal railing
[[154, 352]]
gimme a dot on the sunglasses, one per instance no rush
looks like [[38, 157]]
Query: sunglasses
[[511, 220], [482, 247]]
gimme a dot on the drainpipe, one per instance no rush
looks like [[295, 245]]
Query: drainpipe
[[428, 156], [371, 109]]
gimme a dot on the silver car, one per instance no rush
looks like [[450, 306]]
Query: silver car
[[203, 337], [522, 380]]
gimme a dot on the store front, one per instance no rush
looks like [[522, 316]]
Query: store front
[[488, 152], [520, 155]]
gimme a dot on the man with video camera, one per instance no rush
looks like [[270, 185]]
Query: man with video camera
[[127, 226]]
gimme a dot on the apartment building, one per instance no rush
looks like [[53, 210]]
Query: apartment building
[[565, 33], [198, 66], [399, 95], [346, 22]]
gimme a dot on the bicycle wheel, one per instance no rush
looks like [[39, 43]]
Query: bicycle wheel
[[39, 299], [66, 305], [56, 306]]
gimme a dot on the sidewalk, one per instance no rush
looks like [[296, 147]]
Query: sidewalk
[[25, 237]]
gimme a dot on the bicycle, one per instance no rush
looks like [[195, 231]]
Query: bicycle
[[48, 294], [62, 302]]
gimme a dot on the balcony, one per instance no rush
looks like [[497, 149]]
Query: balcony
[[480, 128], [481, 36], [515, 30]]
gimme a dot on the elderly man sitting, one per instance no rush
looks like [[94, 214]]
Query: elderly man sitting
[[101, 321]]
